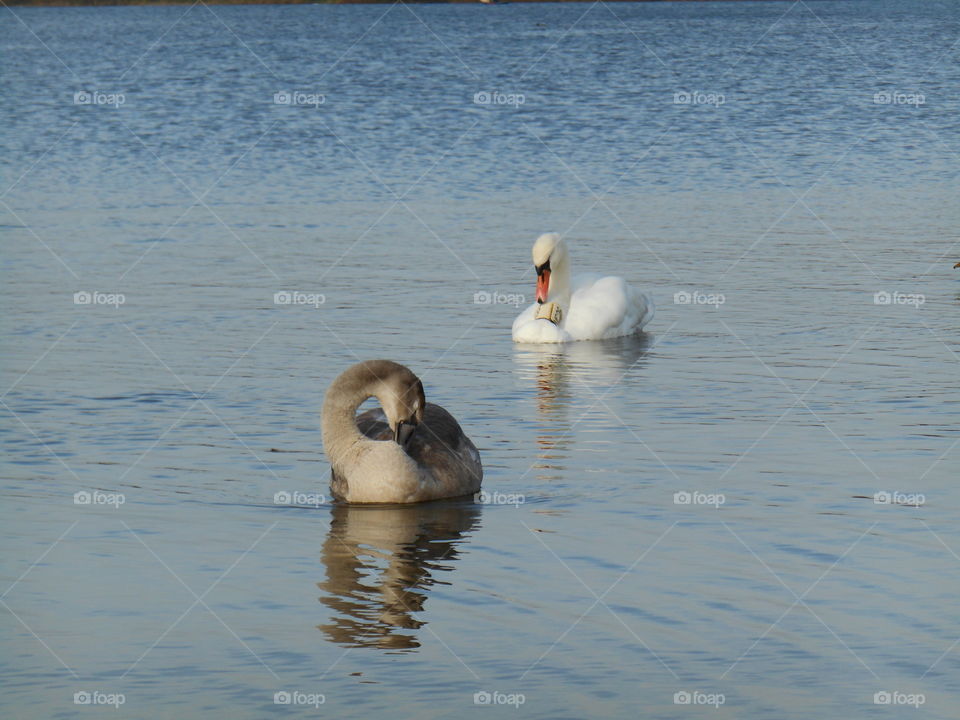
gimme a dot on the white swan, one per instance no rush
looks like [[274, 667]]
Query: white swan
[[592, 308], [409, 451]]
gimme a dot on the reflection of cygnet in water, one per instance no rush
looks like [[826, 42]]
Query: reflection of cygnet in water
[[381, 562]]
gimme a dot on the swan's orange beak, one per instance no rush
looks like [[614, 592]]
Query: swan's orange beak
[[543, 285]]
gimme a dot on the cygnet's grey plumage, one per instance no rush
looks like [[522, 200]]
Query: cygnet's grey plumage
[[370, 463]]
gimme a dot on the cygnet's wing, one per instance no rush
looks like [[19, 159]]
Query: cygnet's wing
[[440, 445]]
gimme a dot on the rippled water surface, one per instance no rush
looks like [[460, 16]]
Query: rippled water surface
[[782, 177]]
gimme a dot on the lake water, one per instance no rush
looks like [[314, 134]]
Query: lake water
[[752, 507]]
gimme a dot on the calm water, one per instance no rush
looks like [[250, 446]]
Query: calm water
[[786, 188]]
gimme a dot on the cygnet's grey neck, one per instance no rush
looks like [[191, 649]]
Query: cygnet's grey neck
[[382, 379]]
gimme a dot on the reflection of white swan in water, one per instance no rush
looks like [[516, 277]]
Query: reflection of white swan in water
[[381, 562], [592, 365], [564, 372]]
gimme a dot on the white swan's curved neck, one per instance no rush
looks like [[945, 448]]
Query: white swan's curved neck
[[559, 291]]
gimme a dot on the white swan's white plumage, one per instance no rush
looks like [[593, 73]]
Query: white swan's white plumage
[[592, 307]]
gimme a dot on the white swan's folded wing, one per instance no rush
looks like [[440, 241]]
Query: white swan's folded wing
[[606, 307]]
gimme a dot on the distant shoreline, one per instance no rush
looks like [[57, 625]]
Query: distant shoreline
[[96, 3]]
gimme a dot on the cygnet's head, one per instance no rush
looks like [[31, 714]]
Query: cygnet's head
[[401, 396], [549, 253]]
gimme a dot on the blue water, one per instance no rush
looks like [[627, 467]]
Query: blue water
[[787, 167]]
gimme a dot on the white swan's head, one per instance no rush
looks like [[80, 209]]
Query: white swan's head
[[549, 253]]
